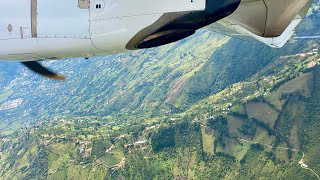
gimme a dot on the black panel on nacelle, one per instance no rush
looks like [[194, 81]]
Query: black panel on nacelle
[[175, 26]]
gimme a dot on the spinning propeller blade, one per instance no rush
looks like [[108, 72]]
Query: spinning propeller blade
[[39, 69]]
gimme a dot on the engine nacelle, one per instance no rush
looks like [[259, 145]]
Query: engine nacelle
[[175, 26]]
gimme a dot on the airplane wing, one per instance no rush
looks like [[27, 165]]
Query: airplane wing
[[271, 22], [37, 32]]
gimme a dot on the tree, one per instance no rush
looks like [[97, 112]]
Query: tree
[[249, 128]]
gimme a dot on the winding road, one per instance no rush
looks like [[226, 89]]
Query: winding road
[[301, 162]]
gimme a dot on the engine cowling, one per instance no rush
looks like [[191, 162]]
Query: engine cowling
[[172, 27]]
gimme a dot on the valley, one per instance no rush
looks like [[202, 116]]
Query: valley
[[208, 107]]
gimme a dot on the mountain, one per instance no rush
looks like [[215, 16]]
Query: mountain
[[208, 107], [143, 81], [147, 83]]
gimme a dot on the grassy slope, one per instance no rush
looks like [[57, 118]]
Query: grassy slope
[[120, 84], [187, 162], [309, 127], [142, 82]]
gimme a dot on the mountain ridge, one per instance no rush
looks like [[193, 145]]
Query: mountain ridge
[[180, 111]]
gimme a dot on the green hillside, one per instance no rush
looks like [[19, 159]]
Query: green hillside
[[143, 82], [208, 107]]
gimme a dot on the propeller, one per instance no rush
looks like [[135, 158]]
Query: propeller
[[39, 69]]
